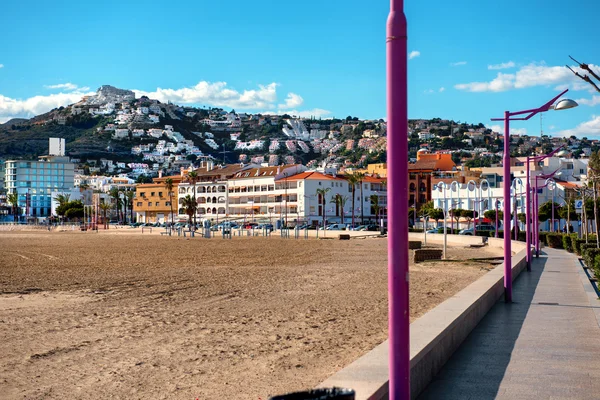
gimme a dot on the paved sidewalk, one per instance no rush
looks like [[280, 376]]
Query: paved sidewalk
[[545, 345]]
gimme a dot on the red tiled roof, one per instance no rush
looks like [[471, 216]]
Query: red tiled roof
[[312, 175]]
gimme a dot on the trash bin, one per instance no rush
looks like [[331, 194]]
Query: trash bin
[[318, 394]]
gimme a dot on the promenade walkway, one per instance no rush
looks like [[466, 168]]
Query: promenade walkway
[[545, 345]]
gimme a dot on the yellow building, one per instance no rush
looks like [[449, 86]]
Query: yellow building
[[375, 169], [152, 202]]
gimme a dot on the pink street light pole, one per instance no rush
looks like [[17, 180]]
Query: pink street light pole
[[397, 116], [509, 116]]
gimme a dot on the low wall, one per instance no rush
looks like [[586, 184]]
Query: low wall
[[433, 338], [453, 240], [427, 254]]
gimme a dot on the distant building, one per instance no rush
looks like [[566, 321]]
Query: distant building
[[34, 182]]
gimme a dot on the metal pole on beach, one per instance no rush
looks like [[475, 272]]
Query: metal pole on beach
[[397, 114]]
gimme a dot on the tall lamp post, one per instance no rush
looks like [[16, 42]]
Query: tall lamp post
[[510, 116], [515, 219], [474, 203], [397, 115]]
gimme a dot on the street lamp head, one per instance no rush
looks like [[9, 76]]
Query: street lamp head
[[565, 104]]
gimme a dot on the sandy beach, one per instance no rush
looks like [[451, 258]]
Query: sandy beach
[[131, 316]]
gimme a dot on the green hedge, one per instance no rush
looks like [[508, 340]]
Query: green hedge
[[543, 237], [577, 245], [596, 267], [556, 240], [585, 246], [589, 257]]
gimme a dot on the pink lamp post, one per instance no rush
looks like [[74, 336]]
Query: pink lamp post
[[530, 209], [509, 116], [397, 116]]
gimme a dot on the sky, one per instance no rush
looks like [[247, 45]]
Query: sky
[[468, 62]]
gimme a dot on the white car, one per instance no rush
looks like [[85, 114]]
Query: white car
[[336, 227]]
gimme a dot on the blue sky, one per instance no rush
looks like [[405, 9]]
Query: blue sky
[[322, 58]]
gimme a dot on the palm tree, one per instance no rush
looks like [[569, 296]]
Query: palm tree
[[322, 193], [189, 206], [62, 199], [340, 202], [83, 186], [192, 178], [129, 195], [353, 180], [169, 186], [361, 176], [375, 205], [13, 200], [105, 207], [115, 193]]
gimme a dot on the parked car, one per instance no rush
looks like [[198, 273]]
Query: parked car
[[336, 227], [480, 228], [265, 226]]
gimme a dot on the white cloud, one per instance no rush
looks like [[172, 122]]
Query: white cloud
[[589, 102], [414, 54], [293, 100], [1, 65], [513, 131], [528, 76], [66, 86], [315, 112], [217, 94], [27, 108], [442, 89], [458, 64], [588, 128], [428, 91], [505, 65]]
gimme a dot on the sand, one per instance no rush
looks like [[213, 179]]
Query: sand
[[99, 316]]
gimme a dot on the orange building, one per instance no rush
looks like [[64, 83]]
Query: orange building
[[421, 175], [152, 202]]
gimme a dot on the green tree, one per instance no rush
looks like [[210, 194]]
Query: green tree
[[115, 194], [189, 207], [169, 186], [322, 194], [491, 215], [105, 207], [129, 196], [192, 177], [436, 214], [340, 202], [353, 180], [13, 200]]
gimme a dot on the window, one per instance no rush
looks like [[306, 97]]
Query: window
[[581, 171], [142, 194], [160, 194], [139, 204], [149, 204], [168, 204], [152, 194], [157, 204]]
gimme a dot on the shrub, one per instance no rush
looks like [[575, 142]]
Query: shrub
[[596, 267], [567, 242], [543, 237], [589, 257], [585, 246], [577, 245], [556, 240]]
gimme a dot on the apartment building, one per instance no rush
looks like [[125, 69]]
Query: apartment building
[[34, 182], [210, 189], [261, 193]]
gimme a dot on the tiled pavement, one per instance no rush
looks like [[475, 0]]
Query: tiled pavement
[[545, 345]]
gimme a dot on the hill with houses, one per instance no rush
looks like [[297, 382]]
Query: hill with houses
[[115, 125]]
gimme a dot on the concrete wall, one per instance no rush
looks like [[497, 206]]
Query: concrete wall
[[453, 240], [434, 337]]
